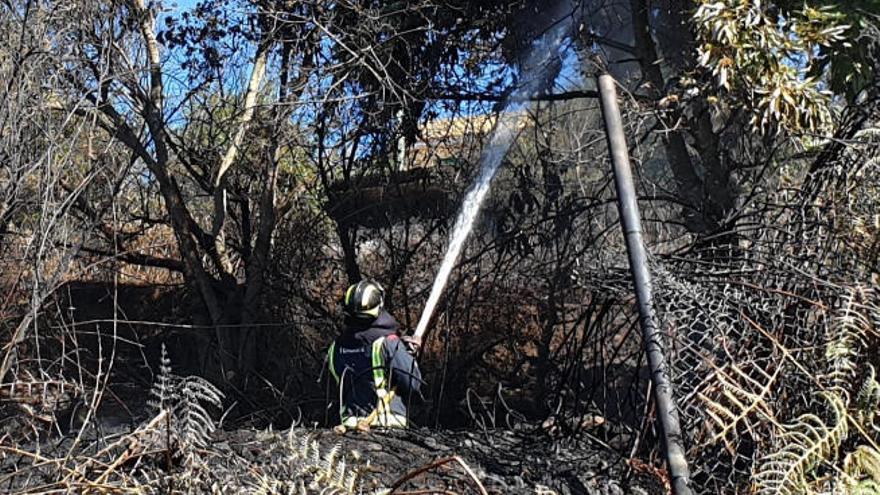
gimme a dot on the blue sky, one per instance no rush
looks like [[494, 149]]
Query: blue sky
[[177, 84]]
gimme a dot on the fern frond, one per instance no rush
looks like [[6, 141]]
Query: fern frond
[[738, 397], [873, 304], [805, 444], [309, 470], [866, 487], [868, 398], [851, 327], [862, 470], [351, 480], [315, 457], [164, 389], [339, 473], [195, 422], [327, 465], [305, 447]]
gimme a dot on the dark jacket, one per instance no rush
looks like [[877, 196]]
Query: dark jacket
[[352, 361]]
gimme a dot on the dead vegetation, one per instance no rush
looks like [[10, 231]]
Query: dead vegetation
[[176, 218], [178, 448]]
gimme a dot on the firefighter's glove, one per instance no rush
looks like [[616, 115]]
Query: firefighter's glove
[[413, 344]]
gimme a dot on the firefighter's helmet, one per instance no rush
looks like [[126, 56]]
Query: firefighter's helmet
[[364, 300]]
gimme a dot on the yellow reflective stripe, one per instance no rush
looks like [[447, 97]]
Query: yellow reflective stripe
[[331, 353], [348, 294], [382, 415], [379, 365], [383, 406]]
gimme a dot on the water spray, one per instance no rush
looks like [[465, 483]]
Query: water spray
[[538, 63]]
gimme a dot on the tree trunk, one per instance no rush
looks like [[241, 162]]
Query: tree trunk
[[710, 194]]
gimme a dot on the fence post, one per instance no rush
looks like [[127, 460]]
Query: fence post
[[638, 263]]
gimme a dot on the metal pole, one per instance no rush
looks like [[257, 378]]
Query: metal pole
[[632, 230]]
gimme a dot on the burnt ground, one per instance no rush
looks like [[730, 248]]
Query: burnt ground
[[505, 461], [260, 461], [248, 456], [527, 458]]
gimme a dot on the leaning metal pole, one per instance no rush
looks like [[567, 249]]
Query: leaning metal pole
[[638, 263]]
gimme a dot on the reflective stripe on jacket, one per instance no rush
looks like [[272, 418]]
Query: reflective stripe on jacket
[[381, 415], [374, 372]]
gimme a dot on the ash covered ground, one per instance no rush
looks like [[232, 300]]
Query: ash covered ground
[[155, 457], [504, 461]]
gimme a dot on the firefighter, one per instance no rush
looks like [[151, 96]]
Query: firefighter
[[372, 364]]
